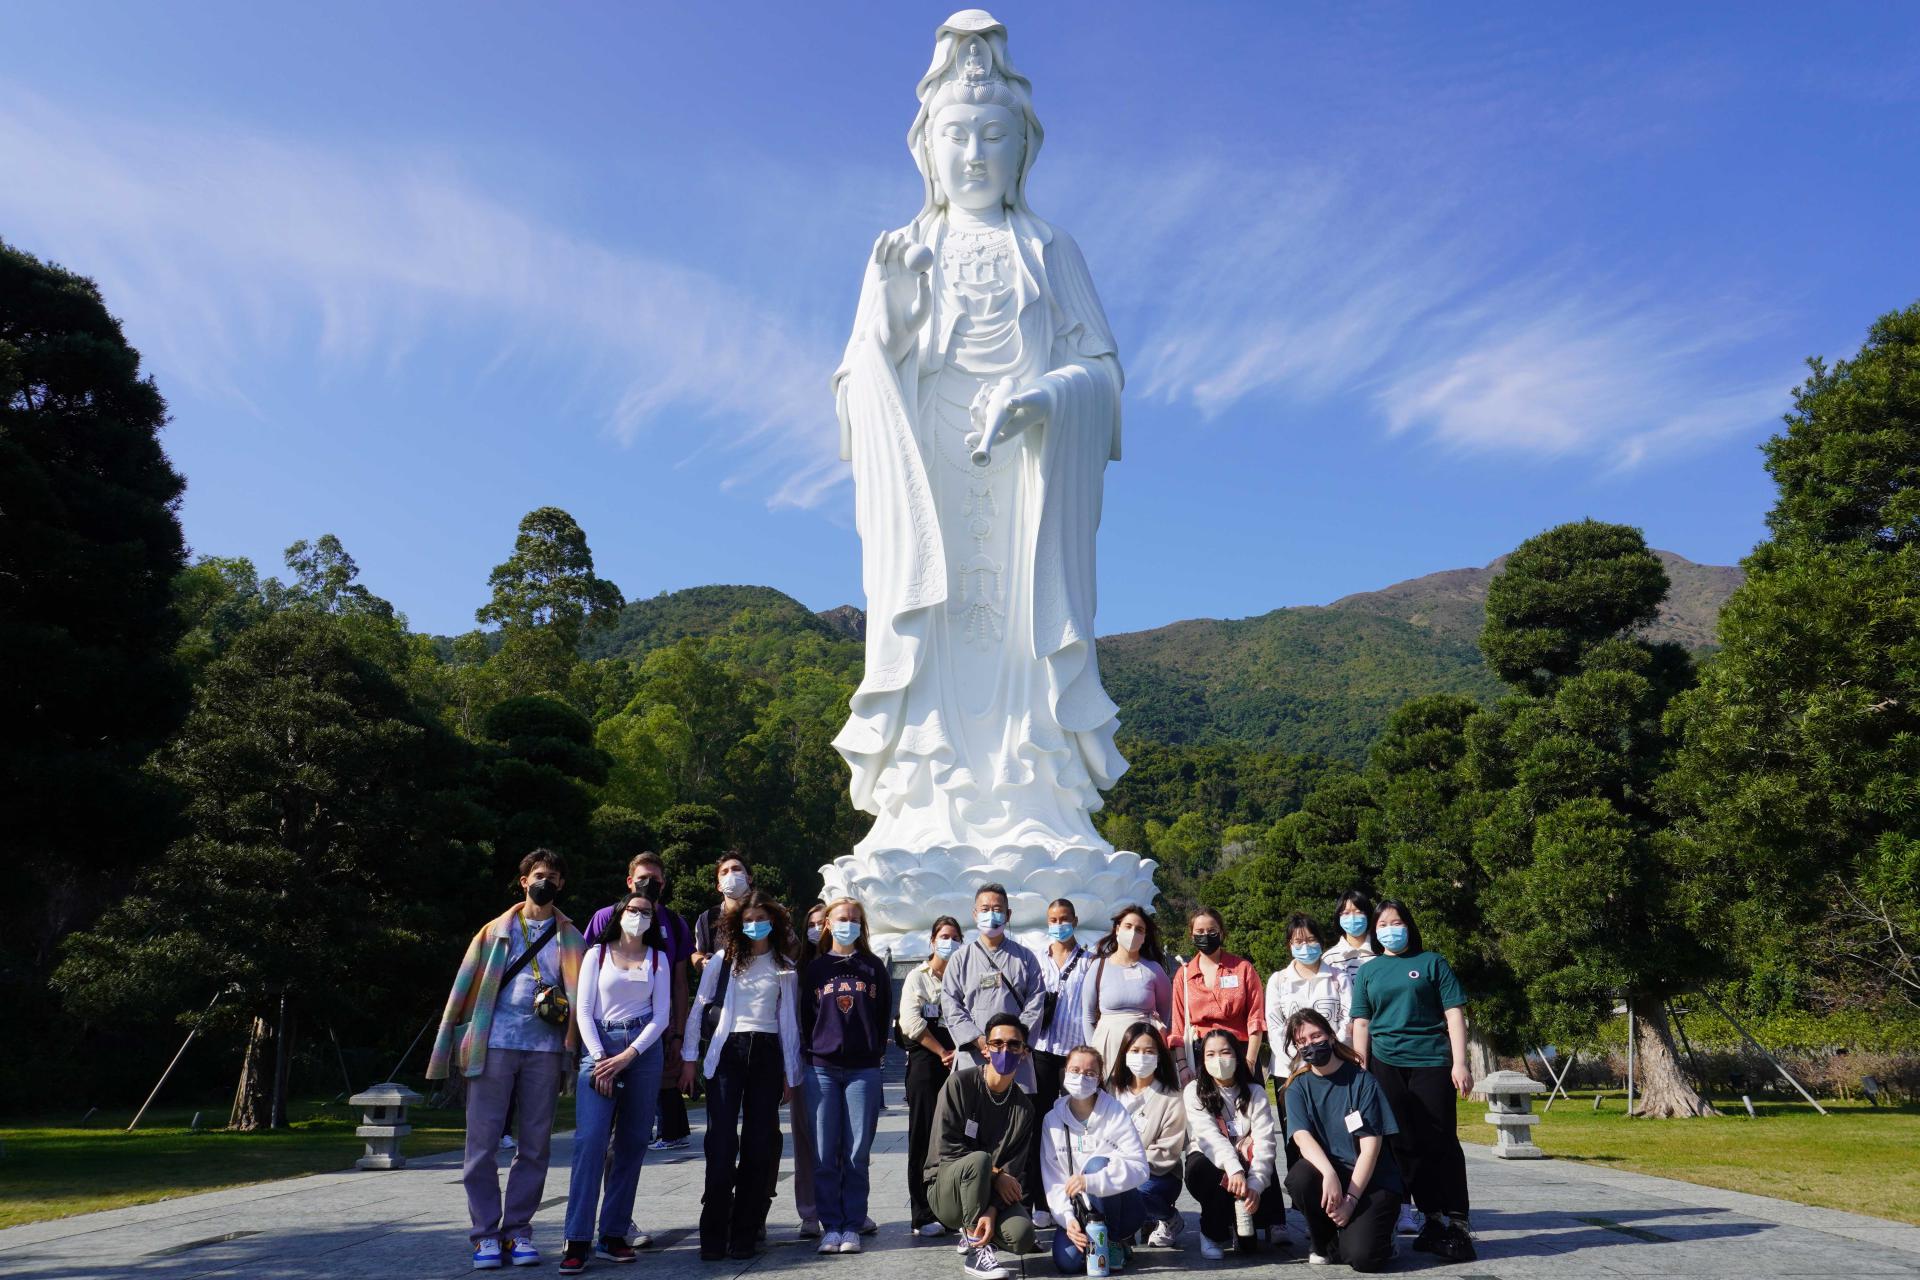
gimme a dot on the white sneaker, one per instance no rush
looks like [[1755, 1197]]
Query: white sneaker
[[931, 1229], [868, 1227], [486, 1255], [1042, 1219], [506, 1142], [1211, 1251], [1411, 1220], [829, 1243], [523, 1254], [1318, 1259], [1164, 1234], [849, 1242], [809, 1228], [639, 1240]]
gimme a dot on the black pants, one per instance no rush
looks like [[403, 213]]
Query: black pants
[[673, 1111], [926, 1074], [1048, 1070], [1216, 1203], [743, 1135], [1427, 1148], [1366, 1242]]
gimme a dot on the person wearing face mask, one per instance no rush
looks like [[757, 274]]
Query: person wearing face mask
[[985, 1133], [1230, 1160], [1216, 991], [1410, 1031], [754, 1048], [507, 1029], [1091, 1156], [929, 1062], [647, 874], [1145, 1082], [1126, 983], [1354, 914], [991, 975], [1345, 1183], [800, 1119], [734, 879], [1308, 981], [625, 1007], [1060, 1023], [816, 932], [846, 1009]]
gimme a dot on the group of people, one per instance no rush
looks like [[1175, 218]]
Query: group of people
[[1080, 1089]]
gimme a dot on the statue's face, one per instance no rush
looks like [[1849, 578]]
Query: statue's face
[[977, 150]]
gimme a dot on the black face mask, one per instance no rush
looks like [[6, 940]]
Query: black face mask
[[1207, 942], [542, 892], [648, 889], [1316, 1055]]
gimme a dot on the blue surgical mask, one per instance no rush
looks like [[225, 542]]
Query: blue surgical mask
[[1353, 924], [989, 921], [946, 947], [1307, 952], [846, 932], [1392, 936], [1061, 932], [757, 929]]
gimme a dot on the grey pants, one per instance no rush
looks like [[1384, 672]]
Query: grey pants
[[529, 1081]]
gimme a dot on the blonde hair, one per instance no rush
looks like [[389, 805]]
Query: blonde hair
[[859, 943]]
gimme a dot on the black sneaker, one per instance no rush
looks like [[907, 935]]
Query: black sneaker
[[616, 1249], [984, 1264], [1456, 1242], [573, 1260], [1432, 1234]]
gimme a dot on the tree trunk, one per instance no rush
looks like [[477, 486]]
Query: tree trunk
[[1664, 1093], [282, 1065], [250, 1095], [1482, 1061]]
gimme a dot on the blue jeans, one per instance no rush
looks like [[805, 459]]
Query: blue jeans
[[1158, 1194], [845, 1102], [627, 1119], [1126, 1213]]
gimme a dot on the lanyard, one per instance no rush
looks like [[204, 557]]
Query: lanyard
[[526, 943]]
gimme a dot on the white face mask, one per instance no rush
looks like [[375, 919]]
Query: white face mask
[[1079, 1084], [1222, 1067], [734, 884], [635, 923], [1130, 939], [1143, 1065]]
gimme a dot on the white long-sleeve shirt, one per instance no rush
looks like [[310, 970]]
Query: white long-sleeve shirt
[[1288, 992], [1254, 1115], [789, 1018], [610, 993], [1066, 1145]]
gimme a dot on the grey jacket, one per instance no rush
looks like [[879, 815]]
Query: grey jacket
[[980, 984]]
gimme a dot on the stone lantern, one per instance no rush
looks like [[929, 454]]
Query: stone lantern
[[1509, 1098], [383, 1122]]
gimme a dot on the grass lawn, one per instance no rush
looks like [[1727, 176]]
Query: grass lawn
[[1854, 1158], [59, 1167]]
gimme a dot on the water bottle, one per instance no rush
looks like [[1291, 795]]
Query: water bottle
[[1095, 1225], [1242, 1219]]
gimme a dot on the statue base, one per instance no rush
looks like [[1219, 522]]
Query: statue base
[[905, 890]]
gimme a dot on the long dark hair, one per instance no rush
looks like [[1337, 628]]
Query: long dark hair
[[1359, 898], [739, 947], [1149, 950], [1313, 1018], [1207, 1089], [1120, 1075], [1406, 916], [610, 932], [803, 950]]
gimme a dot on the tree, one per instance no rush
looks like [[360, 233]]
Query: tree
[[692, 838], [1583, 893], [326, 864], [90, 544], [545, 595], [1793, 791], [541, 767]]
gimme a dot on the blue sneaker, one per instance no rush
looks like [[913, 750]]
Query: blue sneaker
[[523, 1253], [486, 1255]]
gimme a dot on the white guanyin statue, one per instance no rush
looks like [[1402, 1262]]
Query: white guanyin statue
[[979, 403]]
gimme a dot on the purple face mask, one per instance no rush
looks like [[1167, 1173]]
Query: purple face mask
[[1003, 1060]]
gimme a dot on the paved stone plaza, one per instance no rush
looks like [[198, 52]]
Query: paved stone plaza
[[1533, 1218]]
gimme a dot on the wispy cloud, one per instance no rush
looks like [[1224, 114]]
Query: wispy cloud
[[1424, 298], [219, 246]]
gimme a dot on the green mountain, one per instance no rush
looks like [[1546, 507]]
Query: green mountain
[[656, 622]]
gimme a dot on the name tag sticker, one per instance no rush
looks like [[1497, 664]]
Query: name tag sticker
[[1355, 1122], [973, 1128], [989, 982], [929, 1010], [1228, 981]]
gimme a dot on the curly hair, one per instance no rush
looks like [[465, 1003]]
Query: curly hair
[[739, 947]]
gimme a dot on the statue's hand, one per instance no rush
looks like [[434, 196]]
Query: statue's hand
[[906, 289], [998, 411]]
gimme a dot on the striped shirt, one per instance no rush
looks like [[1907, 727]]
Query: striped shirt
[[1063, 1034]]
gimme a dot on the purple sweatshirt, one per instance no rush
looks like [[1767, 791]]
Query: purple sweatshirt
[[846, 1010]]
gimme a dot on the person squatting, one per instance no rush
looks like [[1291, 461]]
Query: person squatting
[[1079, 1090]]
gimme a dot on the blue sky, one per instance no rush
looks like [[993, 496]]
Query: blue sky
[[1395, 286]]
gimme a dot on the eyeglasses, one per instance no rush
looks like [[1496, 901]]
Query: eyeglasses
[[1006, 1046]]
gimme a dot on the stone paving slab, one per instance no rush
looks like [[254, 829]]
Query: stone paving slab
[[1533, 1218]]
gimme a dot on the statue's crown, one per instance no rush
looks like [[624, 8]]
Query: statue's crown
[[974, 77]]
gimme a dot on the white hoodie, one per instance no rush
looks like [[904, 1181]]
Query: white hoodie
[[1203, 1132], [1066, 1145]]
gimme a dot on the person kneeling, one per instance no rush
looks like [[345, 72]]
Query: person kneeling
[[1345, 1183], [1091, 1161], [983, 1133]]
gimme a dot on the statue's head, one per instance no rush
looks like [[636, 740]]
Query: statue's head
[[975, 136]]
